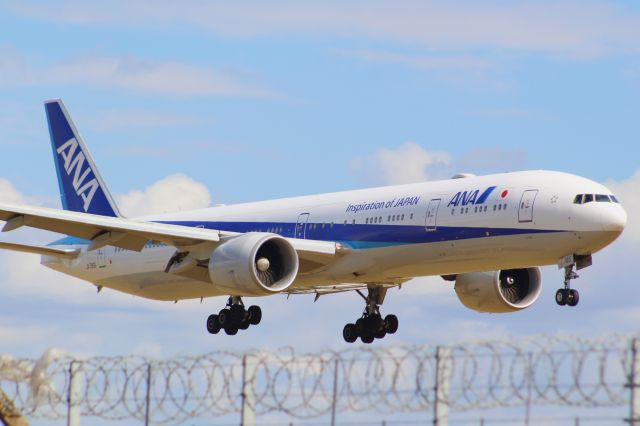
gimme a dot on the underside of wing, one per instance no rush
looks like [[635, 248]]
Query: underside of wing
[[45, 251]]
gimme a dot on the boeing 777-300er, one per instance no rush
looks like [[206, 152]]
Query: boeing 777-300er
[[488, 234]]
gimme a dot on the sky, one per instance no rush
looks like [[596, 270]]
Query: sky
[[191, 104]]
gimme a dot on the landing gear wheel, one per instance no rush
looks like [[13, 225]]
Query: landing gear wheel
[[225, 318], [255, 314], [391, 323], [380, 333], [360, 326], [231, 330], [561, 297], [213, 325], [367, 338], [244, 324], [237, 313], [349, 333], [573, 297]]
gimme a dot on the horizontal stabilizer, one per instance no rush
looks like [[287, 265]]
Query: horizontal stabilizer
[[45, 251]]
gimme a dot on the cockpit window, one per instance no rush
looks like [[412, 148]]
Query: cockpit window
[[600, 198]]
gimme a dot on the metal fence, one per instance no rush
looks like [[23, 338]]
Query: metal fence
[[536, 371]]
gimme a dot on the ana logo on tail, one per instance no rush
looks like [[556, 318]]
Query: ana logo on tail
[[75, 162]]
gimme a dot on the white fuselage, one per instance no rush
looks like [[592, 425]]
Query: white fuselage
[[501, 221]]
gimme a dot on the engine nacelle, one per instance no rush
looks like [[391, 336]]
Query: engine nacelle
[[254, 264], [499, 291]]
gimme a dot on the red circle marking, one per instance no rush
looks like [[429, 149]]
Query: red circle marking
[[504, 193]]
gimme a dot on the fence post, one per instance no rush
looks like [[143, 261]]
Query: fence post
[[248, 391], [73, 397], [147, 400], [634, 384], [443, 379], [334, 400], [529, 373]]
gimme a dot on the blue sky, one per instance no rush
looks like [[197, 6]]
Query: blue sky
[[253, 101]]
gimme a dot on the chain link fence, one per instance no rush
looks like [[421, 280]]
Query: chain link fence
[[536, 371]]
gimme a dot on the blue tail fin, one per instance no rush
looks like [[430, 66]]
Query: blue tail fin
[[81, 187]]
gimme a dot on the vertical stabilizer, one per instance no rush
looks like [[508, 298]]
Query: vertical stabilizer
[[81, 186]]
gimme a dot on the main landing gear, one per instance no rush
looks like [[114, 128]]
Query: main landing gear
[[371, 325], [234, 317]]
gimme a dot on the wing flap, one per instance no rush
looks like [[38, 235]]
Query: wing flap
[[45, 251]]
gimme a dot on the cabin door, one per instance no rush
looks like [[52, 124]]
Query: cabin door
[[301, 226], [431, 221], [525, 209]]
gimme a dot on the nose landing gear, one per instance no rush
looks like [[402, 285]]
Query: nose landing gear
[[567, 295], [234, 317], [371, 325]]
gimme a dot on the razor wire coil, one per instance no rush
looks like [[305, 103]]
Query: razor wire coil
[[538, 371]]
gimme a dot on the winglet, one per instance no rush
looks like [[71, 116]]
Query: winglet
[[81, 186]]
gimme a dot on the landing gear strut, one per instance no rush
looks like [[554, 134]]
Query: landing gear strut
[[234, 317], [371, 325], [567, 295]]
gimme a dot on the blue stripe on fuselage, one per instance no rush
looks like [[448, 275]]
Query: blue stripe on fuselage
[[365, 236], [357, 236]]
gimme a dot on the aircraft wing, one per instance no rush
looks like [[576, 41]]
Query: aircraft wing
[[103, 230], [132, 234], [45, 251]]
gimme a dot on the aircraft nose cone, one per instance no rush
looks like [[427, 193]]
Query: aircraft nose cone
[[614, 219]]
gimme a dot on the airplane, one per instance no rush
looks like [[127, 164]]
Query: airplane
[[487, 234]]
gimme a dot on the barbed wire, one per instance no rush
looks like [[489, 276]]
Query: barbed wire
[[536, 371]]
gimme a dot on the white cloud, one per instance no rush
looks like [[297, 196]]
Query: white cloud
[[125, 72], [9, 194], [408, 163], [574, 28], [627, 191], [170, 194]]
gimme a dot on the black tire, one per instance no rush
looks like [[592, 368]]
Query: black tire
[[391, 323], [360, 327], [213, 325], [244, 324], [255, 314], [380, 333], [349, 333], [561, 297], [574, 297], [224, 317], [231, 330], [237, 313], [367, 338]]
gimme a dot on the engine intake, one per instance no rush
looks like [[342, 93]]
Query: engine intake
[[499, 291], [254, 264]]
